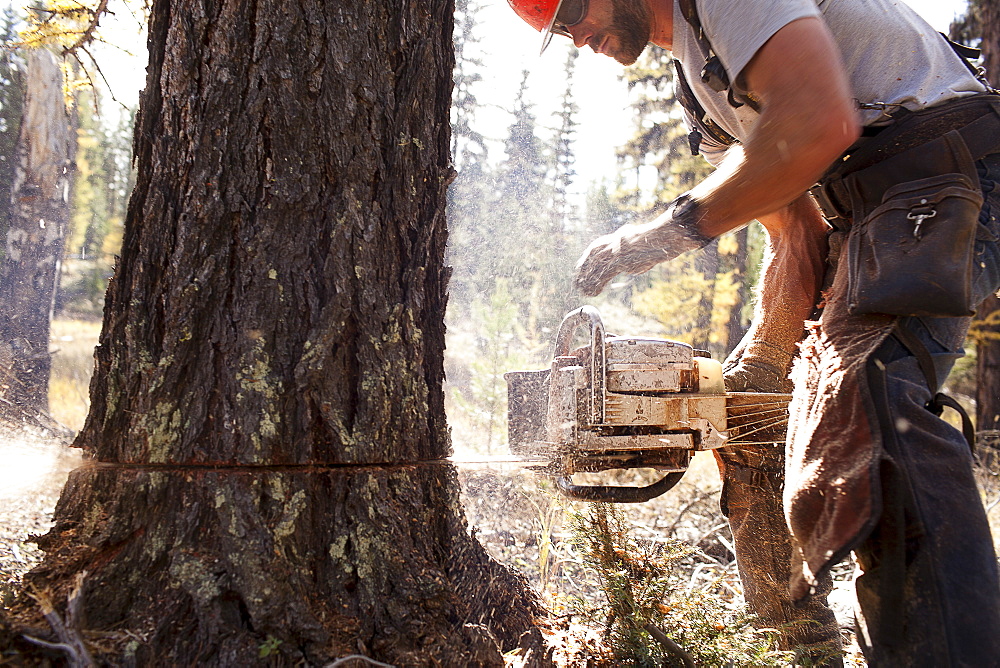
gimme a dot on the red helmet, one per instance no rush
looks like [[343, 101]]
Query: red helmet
[[539, 14]]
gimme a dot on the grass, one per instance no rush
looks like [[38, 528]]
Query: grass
[[73, 342], [644, 586]]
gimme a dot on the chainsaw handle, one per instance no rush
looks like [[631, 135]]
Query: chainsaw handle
[[586, 315], [617, 494]]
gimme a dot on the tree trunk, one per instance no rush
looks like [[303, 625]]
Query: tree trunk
[[34, 243], [988, 346], [267, 411], [987, 327]]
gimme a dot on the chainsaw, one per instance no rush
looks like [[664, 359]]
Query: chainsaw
[[626, 402]]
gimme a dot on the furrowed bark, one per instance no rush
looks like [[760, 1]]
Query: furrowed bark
[[267, 422]]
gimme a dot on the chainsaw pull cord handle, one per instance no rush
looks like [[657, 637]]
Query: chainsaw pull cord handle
[[614, 494], [587, 315]]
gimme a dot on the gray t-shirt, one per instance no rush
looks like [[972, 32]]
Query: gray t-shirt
[[891, 54]]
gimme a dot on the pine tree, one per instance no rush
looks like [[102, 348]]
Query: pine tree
[[533, 255], [103, 182], [468, 146], [468, 196], [563, 211]]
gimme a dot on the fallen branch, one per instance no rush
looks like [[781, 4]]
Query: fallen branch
[[358, 657], [70, 639], [690, 504], [993, 505], [670, 645]]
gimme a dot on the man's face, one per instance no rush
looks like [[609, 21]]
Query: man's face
[[617, 28]]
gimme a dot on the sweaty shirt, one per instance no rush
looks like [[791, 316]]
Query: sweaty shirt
[[891, 55]]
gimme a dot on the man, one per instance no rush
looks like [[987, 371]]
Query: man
[[866, 99]]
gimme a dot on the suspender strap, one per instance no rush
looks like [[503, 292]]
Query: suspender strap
[[690, 12], [967, 54], [690, 103], [713, 73]]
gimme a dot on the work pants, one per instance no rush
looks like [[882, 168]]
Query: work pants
[[928, 587]]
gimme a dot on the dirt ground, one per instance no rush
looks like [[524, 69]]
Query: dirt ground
[[32, 474]]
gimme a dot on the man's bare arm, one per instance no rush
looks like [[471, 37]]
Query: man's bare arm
[[807, 120]]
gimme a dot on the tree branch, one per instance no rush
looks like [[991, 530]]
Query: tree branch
[[88, 34]]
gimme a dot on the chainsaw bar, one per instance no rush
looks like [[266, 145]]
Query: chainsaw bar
[[752, 419]]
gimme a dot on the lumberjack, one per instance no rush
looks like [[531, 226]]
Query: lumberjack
[[868, 147]]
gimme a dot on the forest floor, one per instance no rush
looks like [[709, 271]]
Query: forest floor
[[516, 514], [31, 477], [526, 524]]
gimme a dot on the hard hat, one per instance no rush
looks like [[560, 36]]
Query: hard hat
[[539, 14]]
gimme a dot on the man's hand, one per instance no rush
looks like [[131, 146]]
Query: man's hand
[[635, 248]]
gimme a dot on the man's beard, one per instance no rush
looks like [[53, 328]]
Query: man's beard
[[632, 27]]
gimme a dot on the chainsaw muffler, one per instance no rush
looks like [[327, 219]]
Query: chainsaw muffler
[[623, 403]]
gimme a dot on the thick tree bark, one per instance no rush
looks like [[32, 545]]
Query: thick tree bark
[[267, 415], [34, 244]]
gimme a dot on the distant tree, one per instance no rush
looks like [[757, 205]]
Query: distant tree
[[34, 242], [981, 25], [467, 144], [12, 68], [267, 410], [604, 212], [104, 179], [531, 249], [471, 231], [563, 211]]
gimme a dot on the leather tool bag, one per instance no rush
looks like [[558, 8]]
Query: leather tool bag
[[913, 210], [912, 254]]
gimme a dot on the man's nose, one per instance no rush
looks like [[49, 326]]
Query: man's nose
[[580, 36]]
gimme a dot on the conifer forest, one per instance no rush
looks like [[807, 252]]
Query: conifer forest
[[254, 334]]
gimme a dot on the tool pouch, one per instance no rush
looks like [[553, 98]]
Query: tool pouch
[[910, 249]]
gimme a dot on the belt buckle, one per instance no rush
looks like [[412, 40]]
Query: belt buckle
[[826, 198]]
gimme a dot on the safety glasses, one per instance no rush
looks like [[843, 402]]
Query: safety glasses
[[568, 14]]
